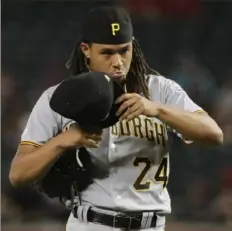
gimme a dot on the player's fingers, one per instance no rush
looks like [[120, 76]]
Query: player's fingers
[[125, 105], [95, 137], [90, 143], [124, 116], [134, 114], [129, 111], [123, 98]]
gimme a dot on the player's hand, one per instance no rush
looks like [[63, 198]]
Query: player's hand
[[133, 105], [74, 137]]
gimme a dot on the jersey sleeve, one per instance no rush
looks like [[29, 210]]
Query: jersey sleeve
[[43, 123], [176, 96]]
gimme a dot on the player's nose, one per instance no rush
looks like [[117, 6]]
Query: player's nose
[[116, 61]]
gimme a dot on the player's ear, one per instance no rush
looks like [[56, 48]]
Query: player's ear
[[85, 49]]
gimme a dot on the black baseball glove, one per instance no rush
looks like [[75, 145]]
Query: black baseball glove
[[67, 173]]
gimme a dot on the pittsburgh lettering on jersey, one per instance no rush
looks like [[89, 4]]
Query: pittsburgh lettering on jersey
[[144, 128]]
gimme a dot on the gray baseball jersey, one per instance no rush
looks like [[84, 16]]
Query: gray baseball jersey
[[136, 153]]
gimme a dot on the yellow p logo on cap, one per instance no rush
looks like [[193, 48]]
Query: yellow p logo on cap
[[115, 27]]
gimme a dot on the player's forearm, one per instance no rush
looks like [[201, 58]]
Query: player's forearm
[[193, 126], [30, 167]]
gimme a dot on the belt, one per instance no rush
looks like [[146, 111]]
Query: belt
[[124, 221]]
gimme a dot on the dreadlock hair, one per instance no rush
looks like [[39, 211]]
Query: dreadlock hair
[[136, 81]]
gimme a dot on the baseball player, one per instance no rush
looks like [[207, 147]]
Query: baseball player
[[135, 150]]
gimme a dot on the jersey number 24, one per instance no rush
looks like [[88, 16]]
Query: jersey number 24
[[161, 175]]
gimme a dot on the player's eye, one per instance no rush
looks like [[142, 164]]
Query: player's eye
[[124, 50], [107, 52]]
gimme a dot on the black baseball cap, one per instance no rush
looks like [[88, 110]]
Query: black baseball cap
[[89, 99], [107, 25]]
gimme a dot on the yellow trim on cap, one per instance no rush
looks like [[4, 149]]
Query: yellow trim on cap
[[30, 143]]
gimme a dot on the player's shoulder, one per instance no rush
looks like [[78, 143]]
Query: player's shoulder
[[162, 88], [49, 91], [160, 80], [44, 98], [164, 85], [43, 102]]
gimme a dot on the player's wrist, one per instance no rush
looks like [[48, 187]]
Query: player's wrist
[[58, 143], [159, 110], [154, 109], [63, 142]]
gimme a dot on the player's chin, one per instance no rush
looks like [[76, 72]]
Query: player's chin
[[119, 78]]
